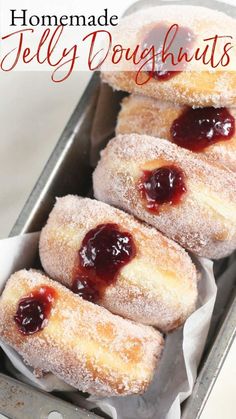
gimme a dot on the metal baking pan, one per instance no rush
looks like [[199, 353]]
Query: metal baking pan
[[69, 170]]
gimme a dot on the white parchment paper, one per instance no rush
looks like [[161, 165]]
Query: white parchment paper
[[174, 379]]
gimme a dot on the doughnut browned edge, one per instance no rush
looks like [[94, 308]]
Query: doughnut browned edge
[[143, 115], [204, 221], [83, 344]]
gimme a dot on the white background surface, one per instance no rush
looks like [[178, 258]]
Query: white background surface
[[33, 113]]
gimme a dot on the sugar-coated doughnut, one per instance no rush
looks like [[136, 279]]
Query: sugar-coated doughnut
[[82, 245], [188, 198], [88, 347], [198, 84], [209, 131]]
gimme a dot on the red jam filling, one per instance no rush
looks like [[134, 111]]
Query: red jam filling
[[33, 310], [104, 251], [175, 46], [165, 185], [197, 129]]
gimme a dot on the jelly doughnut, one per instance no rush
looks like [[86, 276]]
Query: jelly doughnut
[[85, 345], [208, 80], [209, 131], [108, 257], [188, 198]]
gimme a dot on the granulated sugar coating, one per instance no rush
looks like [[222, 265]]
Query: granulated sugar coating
[[145, 115], [157, 287], [203, 222], [83, 344], [200, 84]]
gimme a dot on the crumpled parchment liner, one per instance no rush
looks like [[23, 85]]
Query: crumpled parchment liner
[[174, 379]]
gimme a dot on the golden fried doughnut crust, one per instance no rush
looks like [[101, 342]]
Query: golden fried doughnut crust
[[157, 287], [203, 222], [83, 344]]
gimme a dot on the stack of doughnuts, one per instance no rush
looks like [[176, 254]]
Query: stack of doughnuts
[[173, 161], [111, 286]]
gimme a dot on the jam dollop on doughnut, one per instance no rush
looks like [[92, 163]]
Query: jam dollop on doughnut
[[165, 185], [197, 129], [176, 45], [33, 310], [104, 250]]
